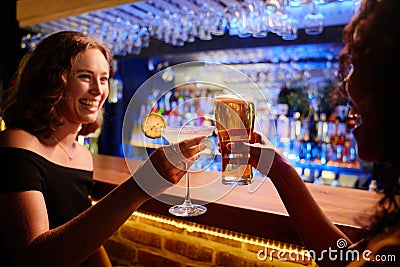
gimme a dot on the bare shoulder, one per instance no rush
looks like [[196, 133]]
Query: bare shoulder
[[82, 157], [18, 138], [85, 156]]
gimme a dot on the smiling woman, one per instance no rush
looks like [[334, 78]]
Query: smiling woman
[[45, 209], [87, 87]]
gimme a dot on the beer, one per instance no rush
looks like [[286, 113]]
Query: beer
[[235, 122]]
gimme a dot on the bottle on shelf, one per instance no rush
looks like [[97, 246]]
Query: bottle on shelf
[[313, 126], [323, 139], [283, 129], [340, 142], [309, 150], [333, 136], [116, 85], [295, 137]]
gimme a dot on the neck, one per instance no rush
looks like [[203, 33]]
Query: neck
[[66, 142], [67, 133]]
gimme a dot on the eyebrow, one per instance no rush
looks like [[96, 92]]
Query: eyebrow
[[89, 71], [83, 70]]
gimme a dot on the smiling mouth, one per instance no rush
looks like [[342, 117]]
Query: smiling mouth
[[355, 121], [89, 103]]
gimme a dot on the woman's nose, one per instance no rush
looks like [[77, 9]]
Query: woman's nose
[[96, 88]]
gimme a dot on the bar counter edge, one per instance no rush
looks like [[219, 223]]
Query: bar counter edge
[[263, 215]]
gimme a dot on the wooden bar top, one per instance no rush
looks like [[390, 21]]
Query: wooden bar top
[[256, 210]]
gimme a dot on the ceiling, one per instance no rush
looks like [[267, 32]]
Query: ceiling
[[128, 28]]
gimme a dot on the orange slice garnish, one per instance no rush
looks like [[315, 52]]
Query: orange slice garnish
[[152, 125]]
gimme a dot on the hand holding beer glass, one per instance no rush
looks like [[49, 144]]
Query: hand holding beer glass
[[235, 123]]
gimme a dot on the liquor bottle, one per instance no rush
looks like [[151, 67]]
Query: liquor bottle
[[351, 151], [161, 106], [340, 142], [282, 128], [167, 103], [295, 137], [333, 136], [313, 128], [116, 85], [323, 139], [172, 118], [309, 145]]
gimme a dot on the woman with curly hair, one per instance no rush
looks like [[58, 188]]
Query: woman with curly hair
[[370, 81], [46, 216]]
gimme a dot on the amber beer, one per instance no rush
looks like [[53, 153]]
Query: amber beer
[[235, 121]]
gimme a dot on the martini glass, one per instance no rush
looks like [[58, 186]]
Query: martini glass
[[175, 134]]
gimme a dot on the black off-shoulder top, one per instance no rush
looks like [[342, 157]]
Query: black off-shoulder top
[[65, 190]]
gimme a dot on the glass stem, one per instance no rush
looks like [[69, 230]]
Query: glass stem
[[187, 201], [314, 7]]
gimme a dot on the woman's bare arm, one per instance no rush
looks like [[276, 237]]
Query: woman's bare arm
[[25, 227]]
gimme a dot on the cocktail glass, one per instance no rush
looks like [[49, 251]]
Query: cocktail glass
[[177, 134]]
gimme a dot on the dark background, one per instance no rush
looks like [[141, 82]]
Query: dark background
[[11, 52]]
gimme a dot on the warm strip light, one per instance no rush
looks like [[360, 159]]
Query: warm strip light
[[213, 231], [230, 235]]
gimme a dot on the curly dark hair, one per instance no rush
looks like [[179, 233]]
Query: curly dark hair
[[372, 44], [32, 101]]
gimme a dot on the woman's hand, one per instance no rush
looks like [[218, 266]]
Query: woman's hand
[[167, 165], [261, 150]]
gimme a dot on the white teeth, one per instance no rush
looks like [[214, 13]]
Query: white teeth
[[91, 103], [358, 120]]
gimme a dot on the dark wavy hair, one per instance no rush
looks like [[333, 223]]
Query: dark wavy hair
[[376, 48], [32, 102]]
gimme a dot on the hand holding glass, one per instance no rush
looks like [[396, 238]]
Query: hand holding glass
[[177, 134], [235, 123]]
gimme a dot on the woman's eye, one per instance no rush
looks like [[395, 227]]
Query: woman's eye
[[84, 76]]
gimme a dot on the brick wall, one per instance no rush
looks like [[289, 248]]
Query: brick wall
[[154, 241]]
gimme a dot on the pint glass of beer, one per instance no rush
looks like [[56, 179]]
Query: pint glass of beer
[[234, 118]]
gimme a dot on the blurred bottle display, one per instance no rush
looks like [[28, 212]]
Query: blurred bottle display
[[315, 138], [305, 133], [320, 130], [309, 128], [183, 104]]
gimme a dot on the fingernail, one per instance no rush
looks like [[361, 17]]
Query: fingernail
[[203, 146]]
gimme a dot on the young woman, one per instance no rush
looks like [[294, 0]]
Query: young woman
[[46, 218], [368, 68]]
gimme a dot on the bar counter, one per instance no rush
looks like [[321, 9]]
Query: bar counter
[[259, 213]]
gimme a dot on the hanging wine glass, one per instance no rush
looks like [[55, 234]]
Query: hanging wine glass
[[258, 23], [289, 31], [279, 18], [313, 21], [232, 15], [243, 17]]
